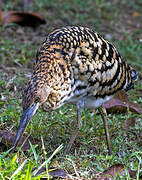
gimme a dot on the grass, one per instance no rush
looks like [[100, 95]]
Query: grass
[[120, 23]]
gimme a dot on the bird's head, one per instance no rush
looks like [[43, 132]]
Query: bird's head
[[132, 76], [33, 96]]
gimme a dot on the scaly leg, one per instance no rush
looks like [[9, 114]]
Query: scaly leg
[[103, 113], [80, 106]]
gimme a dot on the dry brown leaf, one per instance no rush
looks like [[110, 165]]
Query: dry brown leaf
[[7, 138], [114, 171], [120, 103], [129, 123], [31, 19], [56, 173], [0, 15]]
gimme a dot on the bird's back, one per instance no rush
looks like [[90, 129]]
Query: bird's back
[[77, 63]]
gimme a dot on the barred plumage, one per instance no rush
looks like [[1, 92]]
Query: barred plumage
[[75, 65]]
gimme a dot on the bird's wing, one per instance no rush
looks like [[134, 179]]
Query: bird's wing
[[98, 63]]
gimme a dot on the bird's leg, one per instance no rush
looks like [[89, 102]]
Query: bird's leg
[[80, 105], [103, 113]]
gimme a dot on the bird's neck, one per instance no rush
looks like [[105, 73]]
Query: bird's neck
[[52, 65]]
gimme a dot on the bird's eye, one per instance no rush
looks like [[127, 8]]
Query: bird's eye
[[37, 99]]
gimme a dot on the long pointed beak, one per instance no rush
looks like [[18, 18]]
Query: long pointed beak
[[25, 118]]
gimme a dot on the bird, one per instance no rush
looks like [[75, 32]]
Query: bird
[[75, 65]]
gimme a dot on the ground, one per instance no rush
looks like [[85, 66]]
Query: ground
[[117, 21]]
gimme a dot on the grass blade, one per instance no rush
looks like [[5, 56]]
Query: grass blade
[[34, 151], [13, 160], [19, 168], [47, 161]]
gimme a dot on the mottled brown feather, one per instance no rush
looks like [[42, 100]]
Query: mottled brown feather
[[75, 63]]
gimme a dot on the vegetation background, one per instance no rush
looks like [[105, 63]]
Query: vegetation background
[[118, 21]]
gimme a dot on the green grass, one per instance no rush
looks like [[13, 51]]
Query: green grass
[[14, 168], [88, 156]]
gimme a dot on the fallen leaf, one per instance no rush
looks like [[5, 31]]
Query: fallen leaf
[[0, 15], [120, 103], [114, 171], [56, 173], [31, 19], [7, 138], [129, 123]]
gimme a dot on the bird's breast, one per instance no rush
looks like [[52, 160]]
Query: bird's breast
[[82, 92], [93, 102]]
